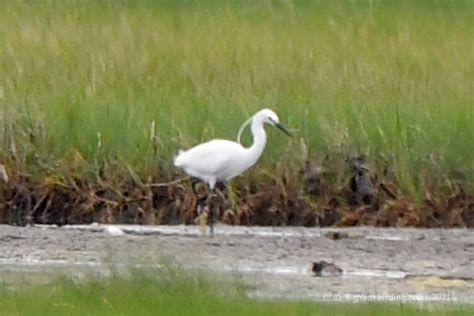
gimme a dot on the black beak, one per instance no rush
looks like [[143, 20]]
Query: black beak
[[283, 129]]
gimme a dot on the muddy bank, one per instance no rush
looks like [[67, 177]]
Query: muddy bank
[[313, 199], [426, 264]]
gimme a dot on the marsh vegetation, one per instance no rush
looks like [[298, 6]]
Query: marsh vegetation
[[97, 97]]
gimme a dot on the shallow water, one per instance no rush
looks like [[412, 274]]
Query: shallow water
[[378, 264]]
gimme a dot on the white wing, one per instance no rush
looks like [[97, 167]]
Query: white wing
[[211, 159]]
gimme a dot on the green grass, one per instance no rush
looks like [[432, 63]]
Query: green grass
[[82, 83], [177, 293]]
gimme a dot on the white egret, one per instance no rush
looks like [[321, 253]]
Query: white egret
[[220, 160]]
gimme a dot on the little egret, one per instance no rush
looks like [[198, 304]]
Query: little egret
[[220, 160]]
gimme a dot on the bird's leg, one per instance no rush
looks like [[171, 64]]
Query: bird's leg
[[211, 215], [194, 183], [201, 202], [210, 210], [220, 190]]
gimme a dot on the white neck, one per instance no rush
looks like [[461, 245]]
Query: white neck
[[259, 140]]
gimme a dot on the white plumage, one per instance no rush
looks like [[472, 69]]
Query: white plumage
[[221, 160], [216, 160]]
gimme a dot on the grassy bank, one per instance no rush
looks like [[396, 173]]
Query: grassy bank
[[116, 88], [177, 294]]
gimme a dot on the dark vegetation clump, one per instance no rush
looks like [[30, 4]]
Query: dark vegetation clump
[[353, 195]]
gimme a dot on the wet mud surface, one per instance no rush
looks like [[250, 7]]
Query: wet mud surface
[[427, 264]]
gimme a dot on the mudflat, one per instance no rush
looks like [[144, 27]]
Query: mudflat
[[276, 262]]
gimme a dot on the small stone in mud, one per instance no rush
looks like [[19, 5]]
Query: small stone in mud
[[325, 269], [11, 237], [114, 231], [213, 244], [336, 235]]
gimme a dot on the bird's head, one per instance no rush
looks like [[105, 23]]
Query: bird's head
[[270, 117], [262, 117]]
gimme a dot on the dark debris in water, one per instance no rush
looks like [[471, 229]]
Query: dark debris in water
[[325, 269], [336, 235]]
